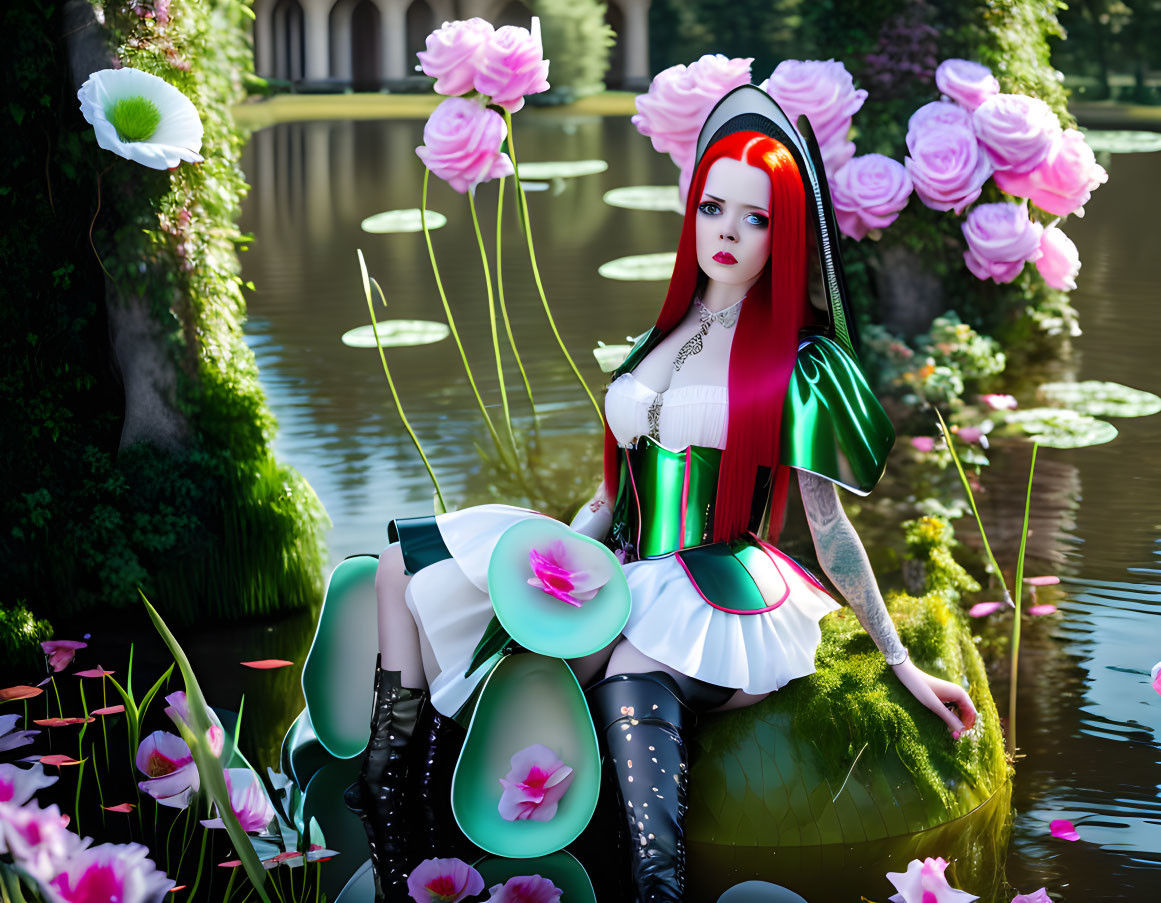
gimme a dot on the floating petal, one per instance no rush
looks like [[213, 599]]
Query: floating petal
[[981, 609], [1063, 829], [268, 664]]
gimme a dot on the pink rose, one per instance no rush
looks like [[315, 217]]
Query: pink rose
[[511, 65], [1016, 130], [820, 89], [1000, 239], [868, 193], [946, 165], [453, 54], [461, 144], [680, 98], [966, 82], [837, 152], [1064, 180], [1059, 261], [936, 113], [534, 786]]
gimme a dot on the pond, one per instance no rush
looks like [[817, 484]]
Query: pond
[[1090, 726]]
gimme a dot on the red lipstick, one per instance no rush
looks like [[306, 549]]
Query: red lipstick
[[725, 257]]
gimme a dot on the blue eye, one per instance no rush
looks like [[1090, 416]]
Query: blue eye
[[709, 208], [758, 219]]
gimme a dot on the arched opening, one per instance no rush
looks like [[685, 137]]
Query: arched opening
[[365, 49], [288, 40], [615, 19], [421, 21]]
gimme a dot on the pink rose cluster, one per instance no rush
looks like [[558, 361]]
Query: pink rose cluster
[[975, 132], [462, 138], [824, 92]]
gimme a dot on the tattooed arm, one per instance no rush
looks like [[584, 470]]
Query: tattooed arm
[[842, 556]]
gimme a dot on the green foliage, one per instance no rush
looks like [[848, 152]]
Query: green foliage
[[930, 541], [577, 41], [20, 634]]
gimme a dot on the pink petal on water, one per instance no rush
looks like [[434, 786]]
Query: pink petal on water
[[268, 664], [59, 760], [120, 807], [923, 443], [1063, 829], [61, 722], [94, 672], [19, 692], [980, 609], [1042, 581], [109, 710], [1037, 896], [230, 864], [1046, 609], [1156, 677]]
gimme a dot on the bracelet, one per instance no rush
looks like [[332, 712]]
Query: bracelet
[[906, 655]]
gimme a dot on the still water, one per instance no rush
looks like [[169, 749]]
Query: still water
[[1090, 726]]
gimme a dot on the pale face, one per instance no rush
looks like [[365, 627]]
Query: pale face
[[733, 227]]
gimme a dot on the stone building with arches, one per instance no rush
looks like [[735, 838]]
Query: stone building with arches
[[366, 44]]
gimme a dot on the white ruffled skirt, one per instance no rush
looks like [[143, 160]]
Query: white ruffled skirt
[[669, 621]]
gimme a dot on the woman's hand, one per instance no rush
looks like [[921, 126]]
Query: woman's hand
[[935, 694]]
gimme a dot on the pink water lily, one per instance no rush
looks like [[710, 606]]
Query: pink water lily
[[982, 609], [111, 871], [1063, 829], [247, 799], [60, 652], [535, 785], [443, 881], [19, 785], [999, 402], [1037, 896], [924, 882], [554, 574], [168, 763], [10, 738], [525, 889]]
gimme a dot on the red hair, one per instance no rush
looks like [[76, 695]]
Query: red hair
[[765, 345]]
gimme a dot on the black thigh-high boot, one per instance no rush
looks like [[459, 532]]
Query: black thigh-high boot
[[643, 721], [382, 795], [435, 831]]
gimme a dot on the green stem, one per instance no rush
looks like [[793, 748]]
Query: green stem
[[230, 885], [447, 312], [492, 324], [1017, 613], [503, 305], [536, 271], [59, 707], [193, 894], [367, 283]]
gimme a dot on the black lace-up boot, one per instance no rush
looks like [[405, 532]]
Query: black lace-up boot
[[435, 830], [642, 720], [381, 797]]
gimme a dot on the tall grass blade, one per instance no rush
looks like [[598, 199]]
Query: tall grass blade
[[1017, 617]]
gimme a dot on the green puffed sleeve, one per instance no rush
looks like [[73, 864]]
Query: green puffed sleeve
[[832, 424]]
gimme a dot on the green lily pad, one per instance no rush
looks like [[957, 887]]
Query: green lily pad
[[1102, 399], [640, 267], [645, 197], [402, 221], [610, 357], [1123, 142], [395, 333], [534, 186], [1062, 428], [561, 169]]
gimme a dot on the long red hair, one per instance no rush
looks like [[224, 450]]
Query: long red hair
[[765, 344]]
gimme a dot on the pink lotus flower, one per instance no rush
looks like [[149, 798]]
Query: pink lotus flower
[[534, 786], [60, 652], [167, 762], [1037, 896], [1044, 609], [443, 881], [822, 90], [983, 609], [946, 165], [1063, 829], [554, 575], [37, 839], [1002, 402], [1059, 261], [13, 740], [247, 799], [1000, 240], [935, 114], [680, 98], [525, 889], [1016, 131], [868, 193], [111, 872], [453, 54], [511, 65], [923, 443], [461, 144], [1063, 182], [19, 785], [1155, 677], [924, 882], [966, 82]]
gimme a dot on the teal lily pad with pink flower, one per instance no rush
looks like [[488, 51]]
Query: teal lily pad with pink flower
[[555, 591], [562, 869]]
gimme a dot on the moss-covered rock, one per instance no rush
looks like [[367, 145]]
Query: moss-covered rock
[[846, 754]]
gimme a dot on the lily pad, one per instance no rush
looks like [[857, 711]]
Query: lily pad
[[610, 357], [645, 197], [1062, 428], [1102, 399], [561, 169], [1123, 142], [534, 186], [640, 267], [395, 333], [402, 221]]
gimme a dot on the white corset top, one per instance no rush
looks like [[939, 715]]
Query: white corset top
[[679, 394]]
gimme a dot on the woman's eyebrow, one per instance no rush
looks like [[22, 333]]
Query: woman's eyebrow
[[711, 197]]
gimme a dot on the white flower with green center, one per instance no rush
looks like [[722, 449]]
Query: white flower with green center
[[142, 118]]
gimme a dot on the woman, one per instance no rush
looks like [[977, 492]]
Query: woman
[[708, 415]]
